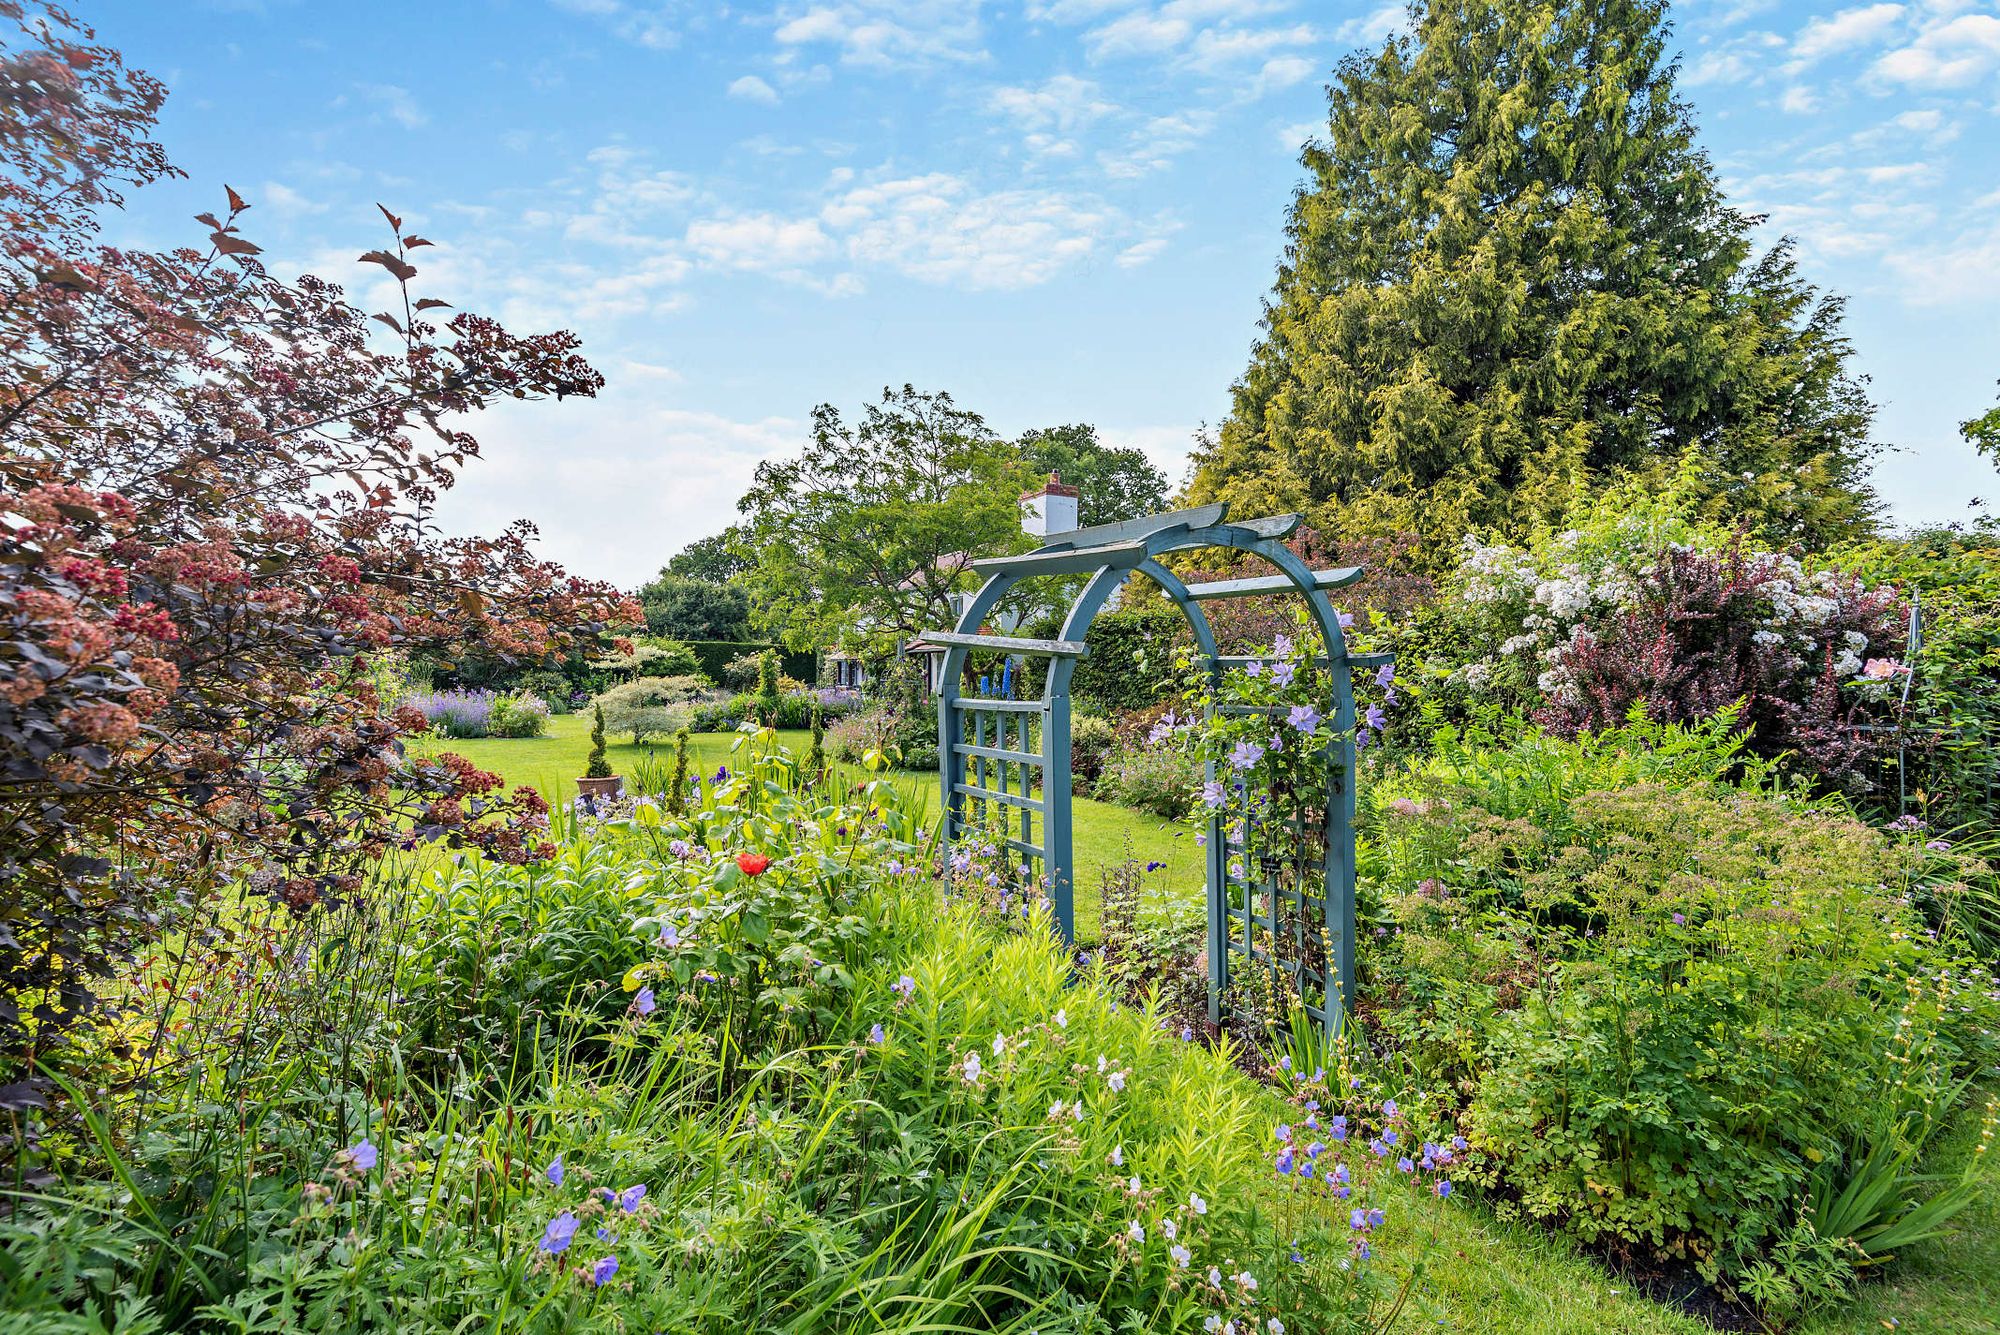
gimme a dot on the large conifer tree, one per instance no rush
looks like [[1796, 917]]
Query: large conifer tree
[[1510, 278]]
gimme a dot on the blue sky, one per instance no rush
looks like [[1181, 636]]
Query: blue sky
[[1059, 210]]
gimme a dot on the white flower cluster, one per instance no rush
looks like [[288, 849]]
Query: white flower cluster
[[1543, 602]]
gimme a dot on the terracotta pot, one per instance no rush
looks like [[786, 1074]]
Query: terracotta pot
[[597, 788]]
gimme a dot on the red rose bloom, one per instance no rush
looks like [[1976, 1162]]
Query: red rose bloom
[[753, 864]]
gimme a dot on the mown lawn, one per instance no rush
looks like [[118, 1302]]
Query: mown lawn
[[1484, 1274], [1102, 833]]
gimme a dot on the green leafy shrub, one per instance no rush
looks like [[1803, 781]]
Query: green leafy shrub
[[1092, 740], [553, 688], [1666, 998], [1952, 758], [1162, 779], [651, 706], [519, 715], [652, 656]]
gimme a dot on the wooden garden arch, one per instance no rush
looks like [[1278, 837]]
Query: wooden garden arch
[[988, 764]]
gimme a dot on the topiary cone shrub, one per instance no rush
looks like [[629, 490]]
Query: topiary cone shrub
[[598, 780]]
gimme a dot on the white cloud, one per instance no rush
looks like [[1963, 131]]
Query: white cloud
[[888, 34], [1865, 25], [1142, 34], [284, 201], [1216, 49], [750, 88], [675, 471], [1143, 252], [1950, 55], [1372, 28], [649, 25], [630, 205], [395, 102], [1953, 272], [1799, 100], [1063, 103], [759, 242], [1282, 72], [1293, 137], [939, 229], [1154, 146]]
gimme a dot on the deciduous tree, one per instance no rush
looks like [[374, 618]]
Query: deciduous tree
[[214, 497], [872, 528]]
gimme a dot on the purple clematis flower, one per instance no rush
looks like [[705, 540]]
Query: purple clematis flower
[[1305, 718]]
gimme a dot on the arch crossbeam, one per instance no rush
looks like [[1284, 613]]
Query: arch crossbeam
[[994, 756]]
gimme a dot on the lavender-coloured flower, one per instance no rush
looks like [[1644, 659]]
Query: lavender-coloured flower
[[554, 1172], [556, 1237], [361, 1155], [1374, 718], [1283, 674], [1213, 795], [644, 1003], [875, 1034], [601, 1273], [1246, 755]]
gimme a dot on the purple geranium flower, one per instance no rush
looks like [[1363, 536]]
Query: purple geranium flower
[[362, 1154], [601, 1273], [644, 1003], [556, 1237], [555, 1171]]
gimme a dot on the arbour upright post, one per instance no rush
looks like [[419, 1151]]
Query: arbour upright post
[[992, 772]]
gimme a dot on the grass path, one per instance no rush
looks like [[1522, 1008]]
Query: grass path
[[1101, 833]]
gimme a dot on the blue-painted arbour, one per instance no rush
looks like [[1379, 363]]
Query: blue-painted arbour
[[1006, 763]]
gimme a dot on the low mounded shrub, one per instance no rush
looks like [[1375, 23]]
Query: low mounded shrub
[[520, 715], [1163, 780], [652, 706], [1092, 740]]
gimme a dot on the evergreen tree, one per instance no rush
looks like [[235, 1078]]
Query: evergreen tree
[[1512, 278]]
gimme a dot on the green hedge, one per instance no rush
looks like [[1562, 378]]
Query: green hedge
[[714, 655], [1130, 663]]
